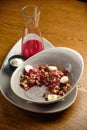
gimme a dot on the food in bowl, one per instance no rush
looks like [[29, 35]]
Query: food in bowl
[[60, 57], [57, 82]]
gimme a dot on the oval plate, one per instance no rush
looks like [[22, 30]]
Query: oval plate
[[5, 75]]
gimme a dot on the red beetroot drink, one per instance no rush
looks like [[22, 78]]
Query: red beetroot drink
[[31, 47]]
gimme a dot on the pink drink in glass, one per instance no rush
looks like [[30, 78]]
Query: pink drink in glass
[[31, 47]]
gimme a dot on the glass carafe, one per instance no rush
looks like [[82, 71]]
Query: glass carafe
[[31, 41]]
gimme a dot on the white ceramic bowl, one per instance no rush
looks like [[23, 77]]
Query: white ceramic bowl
[[62, 58]]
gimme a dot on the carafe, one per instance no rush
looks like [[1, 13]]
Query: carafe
[[32, 42]]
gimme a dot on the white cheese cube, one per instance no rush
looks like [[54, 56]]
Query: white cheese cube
[[64, 79], [51, 97], [52, 67], [28, 67]]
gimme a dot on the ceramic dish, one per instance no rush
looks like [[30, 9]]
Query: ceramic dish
[[52, 57], [5, 75], [13, 61]]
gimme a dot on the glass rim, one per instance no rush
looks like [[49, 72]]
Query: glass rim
[[30, 6]]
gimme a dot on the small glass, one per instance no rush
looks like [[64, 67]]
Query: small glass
[[32, 42]]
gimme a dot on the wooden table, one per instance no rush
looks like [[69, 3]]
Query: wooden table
[[64, 23]]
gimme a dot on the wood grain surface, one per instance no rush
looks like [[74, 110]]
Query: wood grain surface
[[63, 23]]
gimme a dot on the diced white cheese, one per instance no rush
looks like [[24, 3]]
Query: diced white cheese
[[52, 67], [51, 97], [28, 67], [64, 79]]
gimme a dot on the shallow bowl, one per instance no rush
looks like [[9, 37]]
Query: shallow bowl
[[63, 58]]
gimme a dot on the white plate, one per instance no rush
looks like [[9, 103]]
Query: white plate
[[5, 75]]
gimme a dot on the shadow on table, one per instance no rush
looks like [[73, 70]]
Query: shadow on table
[[83, 0], [51, 117]]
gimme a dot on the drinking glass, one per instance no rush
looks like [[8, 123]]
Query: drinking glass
[[32, 42]]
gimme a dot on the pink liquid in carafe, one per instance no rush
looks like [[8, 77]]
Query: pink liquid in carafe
[[31, 47]]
